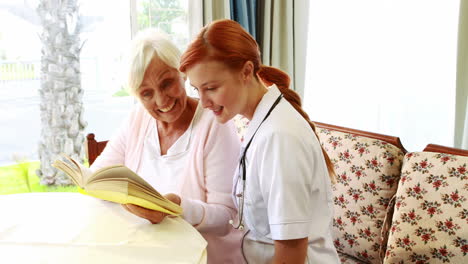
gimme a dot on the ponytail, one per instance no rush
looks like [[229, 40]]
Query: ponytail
[[270, 75]]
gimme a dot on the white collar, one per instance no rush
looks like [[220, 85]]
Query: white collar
[[183, 142], [260, 111]]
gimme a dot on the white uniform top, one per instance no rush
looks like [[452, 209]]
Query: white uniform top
[[287, 188]]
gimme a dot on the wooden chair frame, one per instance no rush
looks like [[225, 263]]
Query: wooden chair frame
[[94, 148], [444, 149], [389, 139]]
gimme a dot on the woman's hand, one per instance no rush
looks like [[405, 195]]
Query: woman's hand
[[173, 198], [155, 217], [290, 251]]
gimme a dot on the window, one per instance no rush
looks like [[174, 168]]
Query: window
[[106, 31], [105, 37], [19, 81], [384, 66], [103, 56], [170, 16]]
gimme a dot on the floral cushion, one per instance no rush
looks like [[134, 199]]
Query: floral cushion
[[367, 171], [241, 124], [346, 259], [430, 221]]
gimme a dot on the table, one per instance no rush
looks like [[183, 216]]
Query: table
[[75, 228]]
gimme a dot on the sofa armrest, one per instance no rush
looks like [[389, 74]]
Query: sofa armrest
[[444, 149], [389, 139]]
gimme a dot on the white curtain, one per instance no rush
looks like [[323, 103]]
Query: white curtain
[[202, 12], [384, 66], [465, 130], [283, 37], [461, 115]]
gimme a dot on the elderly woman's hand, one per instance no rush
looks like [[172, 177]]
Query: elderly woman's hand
[[155, 217]]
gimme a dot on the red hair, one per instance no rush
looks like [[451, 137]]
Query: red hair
[[226, 41]]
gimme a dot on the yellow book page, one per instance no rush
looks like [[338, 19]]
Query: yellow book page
[[120, 186], [122, 179], [84, 173], [71, 171], [101, 180], [117, 184], [122, 198], [77, 172], [162, 201], [120, 171]]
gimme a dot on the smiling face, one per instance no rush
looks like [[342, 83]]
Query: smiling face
[[162, 92], [221, 89]]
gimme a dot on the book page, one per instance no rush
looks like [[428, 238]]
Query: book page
[[120, 171], [85, 173], [117, 184], [123, 198], [131, 192], [77, 172], [72, 172], [150, 191]]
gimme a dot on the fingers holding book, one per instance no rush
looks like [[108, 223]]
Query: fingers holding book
[[155, 217], [173, 198]]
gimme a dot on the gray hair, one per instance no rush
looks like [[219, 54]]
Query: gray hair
[[146, 45]]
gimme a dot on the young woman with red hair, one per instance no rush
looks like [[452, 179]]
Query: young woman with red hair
[[283, 181]]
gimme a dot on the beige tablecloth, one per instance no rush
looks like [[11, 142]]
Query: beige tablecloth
[[75, 228]]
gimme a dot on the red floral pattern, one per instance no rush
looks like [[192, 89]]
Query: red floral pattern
[[335, 142], [464, 214], [367, 175], [444, 158], [422, 166], [346, 259], [372, 188], [448, 226], [362, 148], [358, 171], [462, 244], [241, 124], [459, 172], [453, 199], [437, 181], [346, 156], [339, 223], [442, 254], [416, 192], [341, 201], [430, 221], [344, 179], [367, 234], [411, 217], [426, 234], [406, 243]]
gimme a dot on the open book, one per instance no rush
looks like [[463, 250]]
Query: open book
[[116, 184]]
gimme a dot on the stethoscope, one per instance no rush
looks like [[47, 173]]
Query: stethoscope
[[242, 168]]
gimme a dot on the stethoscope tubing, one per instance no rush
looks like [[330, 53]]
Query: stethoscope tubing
[[242, 167]]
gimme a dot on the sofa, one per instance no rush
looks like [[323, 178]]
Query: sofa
[[394, 206], [390, 206]]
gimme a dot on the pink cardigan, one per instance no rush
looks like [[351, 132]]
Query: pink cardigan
[[207, 183]]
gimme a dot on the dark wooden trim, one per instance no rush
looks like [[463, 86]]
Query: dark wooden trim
[[93, 147], [389, 139], [444, 149]]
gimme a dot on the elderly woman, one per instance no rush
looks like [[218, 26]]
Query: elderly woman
[[178, 147]]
